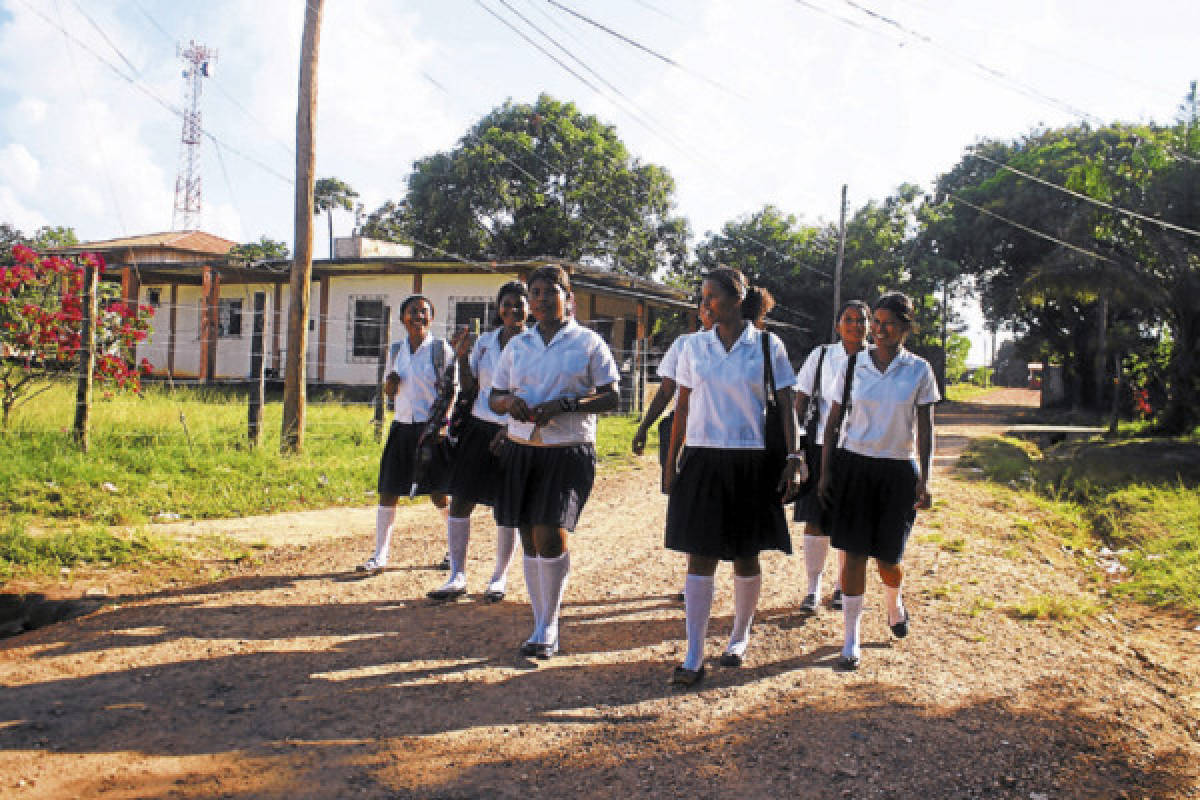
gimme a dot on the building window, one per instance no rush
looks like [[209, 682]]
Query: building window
[[467, 311], [365, 320], [229, 318], [154, 297]]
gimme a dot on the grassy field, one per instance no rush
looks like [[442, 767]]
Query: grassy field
[[185, 453], [965, 392], [1136, 497]]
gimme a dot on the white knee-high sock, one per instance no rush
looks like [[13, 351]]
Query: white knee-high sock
[[506, 543], [385, 518], [815, 550], [533, 585], [852, 609], [746, 590], [555, 572], [895, 605], [458, 535], [698, 599]]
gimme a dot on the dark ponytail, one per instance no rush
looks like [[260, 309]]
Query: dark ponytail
[[757, 304]]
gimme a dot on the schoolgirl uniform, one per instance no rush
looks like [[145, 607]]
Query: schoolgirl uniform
[[669, 368], [414, 401], [476, 472], [549, 470], [722, 502], [808, 507], [877, 463]]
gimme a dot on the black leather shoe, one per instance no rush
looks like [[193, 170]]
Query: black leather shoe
[[685, 678], [847, 663], [546, 651], [445, 594], [492, 596], [730, 660], [808, 605], [900, 629], [528, 649]]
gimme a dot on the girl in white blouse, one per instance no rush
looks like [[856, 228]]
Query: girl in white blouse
[[724, 506], [552, 381], [413, 380], [827, 362], [882, 466], [476, 473]]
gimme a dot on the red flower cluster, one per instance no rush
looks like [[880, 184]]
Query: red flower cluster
[[41, 321]]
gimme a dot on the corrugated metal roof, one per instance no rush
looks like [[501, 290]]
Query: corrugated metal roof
[[191, 241]]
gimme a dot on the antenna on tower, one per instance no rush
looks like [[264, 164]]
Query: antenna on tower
[[187, 180]]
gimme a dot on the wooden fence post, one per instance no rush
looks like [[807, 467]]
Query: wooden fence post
[[384, 341], [87, 357], [254, 416]]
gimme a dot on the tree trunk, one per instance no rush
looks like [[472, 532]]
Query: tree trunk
[[1183, 385], [1100, 360]]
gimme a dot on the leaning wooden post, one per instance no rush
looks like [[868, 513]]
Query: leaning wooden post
[[295, 375], [87, 355], [380, 402], [254, 415]]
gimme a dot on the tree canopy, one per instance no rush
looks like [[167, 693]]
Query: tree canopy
[[539, 180]]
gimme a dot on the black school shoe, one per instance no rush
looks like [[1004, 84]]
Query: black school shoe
[[730, 660], [808, 606], [900, 629], [687, 678]]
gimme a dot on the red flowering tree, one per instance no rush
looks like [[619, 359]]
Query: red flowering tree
[[41, 322]]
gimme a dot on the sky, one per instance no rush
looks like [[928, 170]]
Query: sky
[[764, 101]]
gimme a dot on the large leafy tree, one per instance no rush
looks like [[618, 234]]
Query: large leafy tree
[[265, 249], [1081, 307], [540, 180], [330, 194]]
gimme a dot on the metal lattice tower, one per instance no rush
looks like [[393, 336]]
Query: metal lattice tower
[[187, 179]]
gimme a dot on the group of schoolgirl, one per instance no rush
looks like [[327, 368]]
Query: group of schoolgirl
[[527, 448], [871, 416]]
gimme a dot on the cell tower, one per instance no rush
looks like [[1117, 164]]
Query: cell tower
[[187, 180]]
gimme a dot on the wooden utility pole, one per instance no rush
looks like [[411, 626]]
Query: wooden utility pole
[[837, 270], [295, 380], [87, 357], [254, 412]]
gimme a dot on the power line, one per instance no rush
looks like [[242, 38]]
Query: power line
[[1107, 206], [1032, 231], [633, 43]]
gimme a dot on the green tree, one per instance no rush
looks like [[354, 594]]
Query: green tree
[[331, 193], [49, 236], [265, 249], [958, 347], [540, 180]]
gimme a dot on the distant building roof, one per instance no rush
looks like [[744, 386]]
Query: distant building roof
[[186, 241]]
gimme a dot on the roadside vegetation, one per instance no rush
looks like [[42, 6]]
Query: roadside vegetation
[[183, 454], [1129, 505]]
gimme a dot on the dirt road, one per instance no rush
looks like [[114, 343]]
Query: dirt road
[[294, 678]]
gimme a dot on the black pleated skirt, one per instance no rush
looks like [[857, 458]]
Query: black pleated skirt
[[396, 465], [873, 505], [808, 506], [476, 474], [545, 485], [723, 505]]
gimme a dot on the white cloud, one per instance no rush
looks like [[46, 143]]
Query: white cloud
[[19, 166]]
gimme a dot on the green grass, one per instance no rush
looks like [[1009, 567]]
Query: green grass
[[1055, 608], [25, 553], [1133, 493], [965, 392], [185, 452]]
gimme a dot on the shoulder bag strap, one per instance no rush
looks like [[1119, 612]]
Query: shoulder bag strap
[[768, 372], [813, 409], [850, 362]]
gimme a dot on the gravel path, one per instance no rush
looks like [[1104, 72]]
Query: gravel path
[[293, 678]]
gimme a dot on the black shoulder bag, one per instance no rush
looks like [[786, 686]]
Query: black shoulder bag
[[836, 441], [773, 434], [812, 421]]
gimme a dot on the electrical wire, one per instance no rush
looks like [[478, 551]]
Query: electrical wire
[[1033, 231], [1088, 198]]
